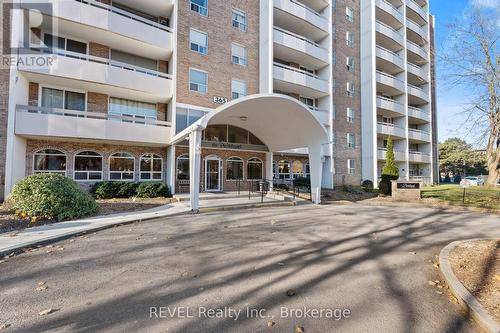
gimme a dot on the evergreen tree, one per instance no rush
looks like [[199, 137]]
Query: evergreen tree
[[390, 167]]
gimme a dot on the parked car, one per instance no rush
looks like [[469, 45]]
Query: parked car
[[475, 181]]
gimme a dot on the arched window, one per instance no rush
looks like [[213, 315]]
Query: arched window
[[254, 169], [88, 166], [151, 167], [297, 169], [49, 161], [234, 168], [121, 166], [183, 167], [284, 169]]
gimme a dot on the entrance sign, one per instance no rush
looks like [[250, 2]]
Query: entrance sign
[[220, 100], [406, 191]]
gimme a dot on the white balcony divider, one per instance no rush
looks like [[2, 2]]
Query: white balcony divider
[[289, 33], [124, 13], [92, 115], [297, 70], [109, 62]]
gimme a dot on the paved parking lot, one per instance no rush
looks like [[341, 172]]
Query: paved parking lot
[[363, 268]]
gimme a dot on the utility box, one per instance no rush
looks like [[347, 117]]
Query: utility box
[[406, 190]]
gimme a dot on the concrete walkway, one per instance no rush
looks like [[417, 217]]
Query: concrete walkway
[[17, 240]]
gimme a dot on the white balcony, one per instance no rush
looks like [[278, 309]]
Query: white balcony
[[415, 32], [419, 114], [295, 48], [419, 157], [389, 13], [389, 59], [417, 95], [390, 105], [316, 5], [416, 54], [419, 135], [399, 156], [390, 129], [97, 74], [294, 16], [388, 37], [114, 27], [45, 123], [416, 12], [293, 80], [419, 72], [392, 85]]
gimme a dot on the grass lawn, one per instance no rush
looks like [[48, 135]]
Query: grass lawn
[[475, 196]]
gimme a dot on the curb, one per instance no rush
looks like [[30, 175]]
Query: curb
[[464, 297], [18, 249]]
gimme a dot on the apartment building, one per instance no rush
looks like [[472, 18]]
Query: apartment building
[[207, 94], [398, 95]]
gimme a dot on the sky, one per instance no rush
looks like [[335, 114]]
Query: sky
[[450, 100]]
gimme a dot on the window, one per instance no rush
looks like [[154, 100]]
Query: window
[[200, 6], [240, 20], [238, 55], [310, 102], [198, 41], [151, 167], [121, 166], [334, 57], [88, 166], [216, 133], [351, 140], [185, 117], [137, 112], [61, 43], [122, 59], [49, 161], [238, 89], [198, 81], [349, 14], [183, 167], [297, 169], [350, 64], [350, 115], [350, 90], [63, 99], [254, 169], [351, 167], [234, 169], [349, 38], [283, 170]]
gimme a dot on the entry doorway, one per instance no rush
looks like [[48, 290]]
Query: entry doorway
[[213, 174]]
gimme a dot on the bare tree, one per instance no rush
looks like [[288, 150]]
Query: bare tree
[[471, 60]]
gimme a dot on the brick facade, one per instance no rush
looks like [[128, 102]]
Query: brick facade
[[218, 26], [341, 151], [33, 94], [106, 150], [97, 102], [98, 50], [223, 154]]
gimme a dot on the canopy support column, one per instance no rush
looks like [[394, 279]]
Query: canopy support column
[[269, 169], [194, 168], [316, 169]]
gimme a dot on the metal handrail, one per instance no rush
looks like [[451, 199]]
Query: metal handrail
[[417, 109], [277, 64], [389, 51], [387, 99], [124, 13], [104, 61], [388, 124], [418, 131], [286, 32], [389, 76], [389, 27], [415, 87], [416, 45], [416, 152], [92, 115], [415, 26]]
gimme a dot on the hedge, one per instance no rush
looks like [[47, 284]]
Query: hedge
[[111, 189]]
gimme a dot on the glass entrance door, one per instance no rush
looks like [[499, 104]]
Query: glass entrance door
[[212, 174]]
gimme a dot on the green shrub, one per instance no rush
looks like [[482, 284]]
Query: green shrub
[[105, 190], [390, 171], [367, 185], [152, 190], [51, 196]]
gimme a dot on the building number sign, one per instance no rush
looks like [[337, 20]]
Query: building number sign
[[220, 100]]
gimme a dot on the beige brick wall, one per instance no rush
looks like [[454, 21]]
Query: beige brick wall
[[218, 26], [341, 76], [106, 150], [97, 102], [224, 154], [98, 50]]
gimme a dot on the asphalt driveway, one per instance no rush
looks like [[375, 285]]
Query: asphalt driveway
[[346, 268]]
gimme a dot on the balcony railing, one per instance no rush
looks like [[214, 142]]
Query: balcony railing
[[124, 13], [391, 9], [389, 27], [316, 109], [309, 9], [104, 61], [419, 131], [135, 119], [302, 38], [416, 7], [390, 104], [297, 70], [416, 28]]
